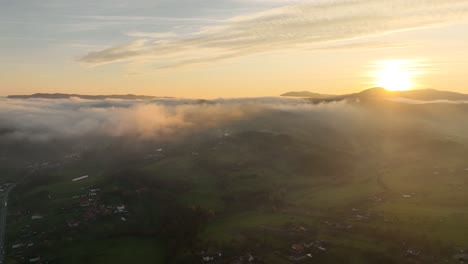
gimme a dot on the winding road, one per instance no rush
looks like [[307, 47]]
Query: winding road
[[3, 218]]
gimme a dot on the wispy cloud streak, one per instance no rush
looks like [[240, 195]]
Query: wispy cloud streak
[[305, 25]]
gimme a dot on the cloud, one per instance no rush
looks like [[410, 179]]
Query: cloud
[[296, 26], [156, 35], [41, 119], [368, 45], [80, 121], [118, 53]]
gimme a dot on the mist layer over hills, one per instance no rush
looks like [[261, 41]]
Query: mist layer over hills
[[42, 120]]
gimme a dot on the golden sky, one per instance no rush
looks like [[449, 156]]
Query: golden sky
[[231, 48]]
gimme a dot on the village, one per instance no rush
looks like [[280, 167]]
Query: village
[[296, 252], [85, 208], [305, 247]]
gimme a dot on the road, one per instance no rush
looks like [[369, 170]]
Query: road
[[3, 218]]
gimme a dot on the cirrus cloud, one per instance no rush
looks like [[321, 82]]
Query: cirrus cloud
[[306, 25]]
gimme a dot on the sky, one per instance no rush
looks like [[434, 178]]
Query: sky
[[231, 48]]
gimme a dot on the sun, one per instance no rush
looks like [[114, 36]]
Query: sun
[[394, 75]]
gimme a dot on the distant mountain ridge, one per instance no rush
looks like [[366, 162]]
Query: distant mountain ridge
[[380, 93], [368, 94], [87, 97], [306, 94]]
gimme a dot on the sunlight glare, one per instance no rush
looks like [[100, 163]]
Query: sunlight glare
[[394, 75]]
